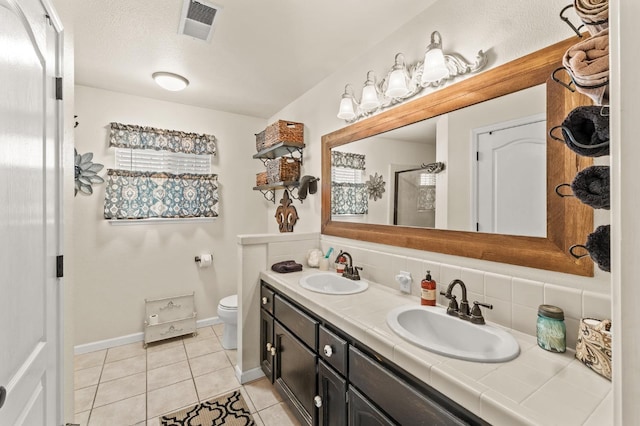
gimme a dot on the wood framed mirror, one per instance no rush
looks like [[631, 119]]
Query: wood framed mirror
[[568, 220]]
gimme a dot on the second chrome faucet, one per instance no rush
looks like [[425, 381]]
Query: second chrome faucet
[[474, 315]]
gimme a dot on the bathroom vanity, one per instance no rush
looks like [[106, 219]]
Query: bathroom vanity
[[330, 378], [336, 362]]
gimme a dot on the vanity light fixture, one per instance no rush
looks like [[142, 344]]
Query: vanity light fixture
[[405, 81], [170, 81]]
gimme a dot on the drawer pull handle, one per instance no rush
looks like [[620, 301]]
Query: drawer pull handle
[[264, 300], [171, 329], [328, 351], [317, 401], [273, 351], [269, 345]]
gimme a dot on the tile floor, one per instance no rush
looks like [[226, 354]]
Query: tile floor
[[130, 385]]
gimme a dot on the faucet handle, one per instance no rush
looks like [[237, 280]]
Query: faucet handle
[[476, 313], [356, 275]]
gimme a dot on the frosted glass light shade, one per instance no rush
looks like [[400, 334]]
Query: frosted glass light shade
[[170, 81], [369, 98], [435, 68], [346, 111], [397, 84]]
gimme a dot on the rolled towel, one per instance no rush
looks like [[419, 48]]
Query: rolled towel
[[599, 247], [588, 63], [586, 131], [286, 266], [591, 186], [593, 13]]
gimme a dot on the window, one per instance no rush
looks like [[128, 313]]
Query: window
[[426, 192], [348, 187], [160, 174]]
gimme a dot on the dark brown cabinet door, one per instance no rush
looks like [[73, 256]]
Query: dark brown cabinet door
[[295, 373], [363, 413], [331, 399], [266, 344]]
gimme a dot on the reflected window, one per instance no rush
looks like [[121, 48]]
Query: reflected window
[[426, 192], [348, 187]]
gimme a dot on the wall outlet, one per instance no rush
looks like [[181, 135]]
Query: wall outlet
[[404, 279]]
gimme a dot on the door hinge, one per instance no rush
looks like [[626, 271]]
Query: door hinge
[[477, 227], [477, 155], [59, 266], [59, 88]]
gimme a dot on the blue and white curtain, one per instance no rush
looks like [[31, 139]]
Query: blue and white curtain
[[134, 194], [132, 136], [349, 195], [142, 195]]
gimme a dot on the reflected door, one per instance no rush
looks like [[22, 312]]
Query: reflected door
[[511, 179]]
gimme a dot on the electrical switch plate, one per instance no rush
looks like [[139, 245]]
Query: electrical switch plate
[[404, 279]]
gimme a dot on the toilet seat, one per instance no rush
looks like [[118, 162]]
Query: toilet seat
[[229, 302]]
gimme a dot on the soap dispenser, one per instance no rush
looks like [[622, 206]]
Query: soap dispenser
[[428, 292]]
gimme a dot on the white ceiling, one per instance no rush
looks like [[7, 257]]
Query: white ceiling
[[264, 53]]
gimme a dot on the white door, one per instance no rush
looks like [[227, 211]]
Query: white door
[[512, 180], [30, 323]]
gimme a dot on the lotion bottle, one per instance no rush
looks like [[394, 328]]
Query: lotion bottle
[[428, 291]]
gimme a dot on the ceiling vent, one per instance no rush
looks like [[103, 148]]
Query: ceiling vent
[[198, 19]]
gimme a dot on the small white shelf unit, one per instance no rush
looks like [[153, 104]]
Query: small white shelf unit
[[176, 317]]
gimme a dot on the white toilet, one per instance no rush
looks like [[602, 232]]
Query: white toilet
[[228, 314]]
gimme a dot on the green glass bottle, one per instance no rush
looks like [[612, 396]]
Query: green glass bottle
[[551, 330]]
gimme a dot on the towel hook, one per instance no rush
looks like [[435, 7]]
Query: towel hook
[[602, 113], [576, 246], [568, 134], [568, 22], [573, 81], [560, 194]]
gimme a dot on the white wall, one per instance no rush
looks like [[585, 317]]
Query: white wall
[[507, 30], [117, 267]]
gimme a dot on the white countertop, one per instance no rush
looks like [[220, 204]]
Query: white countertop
[[536, 388]]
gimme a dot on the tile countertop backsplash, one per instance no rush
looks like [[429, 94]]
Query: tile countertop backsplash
[[536, 388]]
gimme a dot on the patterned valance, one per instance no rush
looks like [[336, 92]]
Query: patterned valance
[[349, 198], [139, 137], [142, 195], [347, 159]]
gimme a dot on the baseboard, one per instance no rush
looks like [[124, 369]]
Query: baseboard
[[248, 376], [131, 338]]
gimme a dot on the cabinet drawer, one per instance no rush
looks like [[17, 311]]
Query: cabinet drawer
[[397, 398], [299, 323], [170, 308], [169, 329], [333, 350], [266, 299]]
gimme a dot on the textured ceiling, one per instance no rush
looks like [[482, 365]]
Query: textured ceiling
[[264, 54]]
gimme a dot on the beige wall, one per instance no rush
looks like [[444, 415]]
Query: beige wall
[[117, 266]]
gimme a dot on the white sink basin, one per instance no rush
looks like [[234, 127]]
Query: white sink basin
[[332, 283], [431, 328]]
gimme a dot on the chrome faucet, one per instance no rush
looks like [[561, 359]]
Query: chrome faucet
[[350, 271], [462, 312]]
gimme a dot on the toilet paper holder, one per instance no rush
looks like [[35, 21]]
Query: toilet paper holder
[[206, 258]]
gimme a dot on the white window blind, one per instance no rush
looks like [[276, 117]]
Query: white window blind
[[346, 175], [150, 160], [427, 179]]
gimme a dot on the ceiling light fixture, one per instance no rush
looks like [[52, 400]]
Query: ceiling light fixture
[[403, 82], [170, 81]]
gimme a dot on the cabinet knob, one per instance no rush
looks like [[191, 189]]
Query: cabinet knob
[[328, 351], [269, 345], [317, 401], [264, 300], [273, 351]]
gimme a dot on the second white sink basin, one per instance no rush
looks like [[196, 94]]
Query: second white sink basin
[[431, 328], [332, 283]]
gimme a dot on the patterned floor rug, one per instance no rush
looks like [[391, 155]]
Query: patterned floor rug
[[228, 410]]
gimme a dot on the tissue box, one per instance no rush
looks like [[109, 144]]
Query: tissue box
[[594, 345]]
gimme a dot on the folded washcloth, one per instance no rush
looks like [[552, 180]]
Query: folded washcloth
[[286, 266], [588, 63], [591, 186], [598, 246], [586, 131], [593, 13]]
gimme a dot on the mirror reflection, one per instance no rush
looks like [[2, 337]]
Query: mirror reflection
[[493, 181]]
